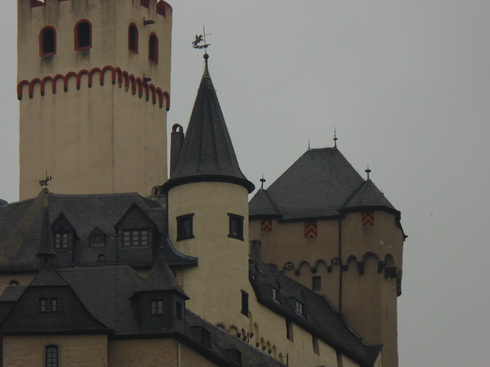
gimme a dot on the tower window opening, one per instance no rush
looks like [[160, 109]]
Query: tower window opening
[[244, 303], [317, 283], [184, 227], [236, 226], [83, 35], [35, 3], [133, 38], [153, 49], [47, 41]]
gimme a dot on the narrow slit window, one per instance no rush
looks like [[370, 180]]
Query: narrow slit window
[[47, 41], [153, 49], [83, 35], [133, 38]]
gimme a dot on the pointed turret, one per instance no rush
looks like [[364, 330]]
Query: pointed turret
[[207, 154], [207, 198]]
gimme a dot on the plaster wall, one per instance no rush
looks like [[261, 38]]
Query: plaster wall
[[101, 139], [75, 350], [154, 353], [215, 285]]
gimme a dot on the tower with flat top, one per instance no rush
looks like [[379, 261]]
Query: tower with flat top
[[93, 85]]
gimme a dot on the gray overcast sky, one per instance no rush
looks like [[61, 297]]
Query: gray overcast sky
[[406, 84]]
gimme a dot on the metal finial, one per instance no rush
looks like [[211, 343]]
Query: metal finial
[[45, 181], [200, 42], [262, 180], [368, 171], [335, 137]]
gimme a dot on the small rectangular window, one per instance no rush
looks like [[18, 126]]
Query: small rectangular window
[[61, 240], [300, 308], [184, 227], [42, 305], [178, 310], [236, 226], [135, 238], [54, 304], [245, 303], [317, 283], [156, 307], [51, 356], [275, 294]]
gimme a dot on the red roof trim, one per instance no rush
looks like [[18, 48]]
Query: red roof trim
[[149, 91]]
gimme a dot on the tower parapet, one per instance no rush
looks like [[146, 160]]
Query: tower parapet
[[94, 85]]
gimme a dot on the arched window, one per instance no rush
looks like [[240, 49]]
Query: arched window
[[153, 49], [47, 41], [83, 35], [133, 38], [52, 356]]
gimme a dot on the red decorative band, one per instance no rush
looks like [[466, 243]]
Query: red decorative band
[[136, 84]]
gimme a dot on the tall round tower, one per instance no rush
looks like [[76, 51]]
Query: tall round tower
[[208, 214], [93, 85]]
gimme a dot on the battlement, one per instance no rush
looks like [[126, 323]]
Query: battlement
[[162, 7]]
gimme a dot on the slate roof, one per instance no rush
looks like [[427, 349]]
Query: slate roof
[[321, 319], [160, 279], [317, 185], [22, 228], [207, 153]]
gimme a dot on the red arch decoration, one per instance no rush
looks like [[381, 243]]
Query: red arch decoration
[[117, 74]]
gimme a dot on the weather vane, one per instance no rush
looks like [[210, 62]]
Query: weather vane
[[45, 181], [200, 40]]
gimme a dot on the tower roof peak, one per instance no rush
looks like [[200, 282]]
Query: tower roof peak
[[207, 153]]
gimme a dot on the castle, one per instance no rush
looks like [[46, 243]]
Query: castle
[[128, 266]]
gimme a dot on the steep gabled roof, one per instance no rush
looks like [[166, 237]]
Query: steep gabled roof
[[207, 153]]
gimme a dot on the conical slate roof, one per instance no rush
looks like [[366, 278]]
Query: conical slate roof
[[207, 153]]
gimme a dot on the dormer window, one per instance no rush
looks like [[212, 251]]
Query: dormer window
[[97, 238], [61, 241], [275, 294], [47, 41], [300, 308], [48, 304], [236, 226], [83, 35], [156, 307], [135, 238]]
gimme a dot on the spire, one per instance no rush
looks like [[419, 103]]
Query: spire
[[207, 153], [46, 252]]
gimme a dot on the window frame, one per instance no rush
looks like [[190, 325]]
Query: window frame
[[181, 227], [316, 283], [42, 40], [135, 242], [133, 37], [235, 226], [300, 308], [156, 307], [77, 35], [62, 240], [51, 361], [275, 294], [245, 305]]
